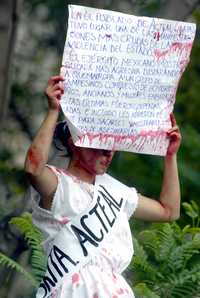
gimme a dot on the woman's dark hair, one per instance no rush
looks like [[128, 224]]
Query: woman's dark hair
[[61, 137]]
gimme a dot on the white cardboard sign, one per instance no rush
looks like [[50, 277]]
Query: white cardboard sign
[[122, 73]]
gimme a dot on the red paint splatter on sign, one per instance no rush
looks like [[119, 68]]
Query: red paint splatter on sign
[[103, 138], [178, 47]]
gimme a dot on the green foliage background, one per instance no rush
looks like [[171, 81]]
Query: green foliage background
[[38, 52]]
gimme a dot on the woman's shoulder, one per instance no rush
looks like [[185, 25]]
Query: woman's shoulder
[[61, 172]]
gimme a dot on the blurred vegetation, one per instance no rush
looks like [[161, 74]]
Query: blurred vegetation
[[166, 262], [37, 55]]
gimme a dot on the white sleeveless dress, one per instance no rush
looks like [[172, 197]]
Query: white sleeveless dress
[[102, 276]]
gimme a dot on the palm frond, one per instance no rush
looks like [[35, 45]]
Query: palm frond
[[166, 240], [172, 254], [142, 290], [9, 263], [34, 238], [24, 223], [180, 256]]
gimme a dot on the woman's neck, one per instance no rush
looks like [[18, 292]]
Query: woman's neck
[[80, 172]]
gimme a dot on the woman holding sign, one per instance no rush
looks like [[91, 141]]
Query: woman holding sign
[[83, 212]]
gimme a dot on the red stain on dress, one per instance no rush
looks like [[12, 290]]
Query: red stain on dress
[[53, 295], [127, 291], [64, 220], [75, 278], [114, 277], [120, 291]]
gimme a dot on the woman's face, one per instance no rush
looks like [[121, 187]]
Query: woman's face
[[94, 161]]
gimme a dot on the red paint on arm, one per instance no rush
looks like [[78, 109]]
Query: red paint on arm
[[176, 47], [33, 158]]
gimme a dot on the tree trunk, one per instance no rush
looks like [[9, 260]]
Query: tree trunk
[[8, 23]]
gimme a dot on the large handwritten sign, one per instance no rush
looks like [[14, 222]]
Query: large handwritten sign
[[122, 73]]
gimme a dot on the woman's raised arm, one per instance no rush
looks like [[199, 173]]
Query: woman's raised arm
[[167, 208], [41, 177]]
